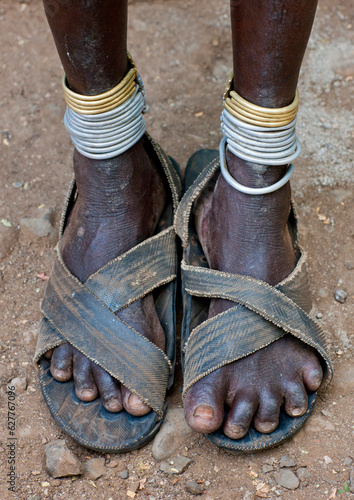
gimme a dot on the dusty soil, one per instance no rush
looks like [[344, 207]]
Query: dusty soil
[[182, 49]]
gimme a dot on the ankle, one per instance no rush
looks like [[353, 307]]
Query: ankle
[[105, 185], [253, 174]]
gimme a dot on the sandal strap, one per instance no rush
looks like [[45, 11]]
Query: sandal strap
[[173, 178], [137, 272], [266, 311], [185, 206], [87, 324]]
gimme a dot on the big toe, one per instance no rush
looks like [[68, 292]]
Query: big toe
[[204, 406], [61, 365]]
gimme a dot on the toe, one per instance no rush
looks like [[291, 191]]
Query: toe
[[133, 404], [267, 416], [49, 354], [240, 415], [295, 399], [312, 376], [61, 366], [108, 388], [204, 404], [85, 386]]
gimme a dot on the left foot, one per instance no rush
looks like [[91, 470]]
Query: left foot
[[249, 235]]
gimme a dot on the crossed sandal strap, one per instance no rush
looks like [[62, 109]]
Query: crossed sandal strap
[[262, 315], [83, 315], [136, 273], [185, 206]]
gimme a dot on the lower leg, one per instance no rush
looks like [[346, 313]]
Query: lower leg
[[119, 200], [269, 40]]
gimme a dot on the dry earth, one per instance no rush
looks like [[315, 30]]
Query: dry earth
[[183, 52]]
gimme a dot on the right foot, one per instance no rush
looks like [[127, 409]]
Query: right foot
[[119, 204]]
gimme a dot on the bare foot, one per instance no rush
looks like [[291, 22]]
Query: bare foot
[[249, 235], [119, 204]]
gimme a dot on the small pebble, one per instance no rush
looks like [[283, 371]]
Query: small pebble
[[270, 461], [347, 461], [327, 459], [94, 468], [124, 474], [319, 315], [304, 475], [132, 489], [112, 464], [267, 468], [286, 461], [340, 296], [193, 487], [60, 461], [176, 465], [20, 384], [287, 479]]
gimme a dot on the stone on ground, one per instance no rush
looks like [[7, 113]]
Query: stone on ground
[[176, 465], [60, 461], [287, 479], [94, 468], [20, 384], [124, 474], [286, 461], [172, 434], [38, 226], [193, 487]]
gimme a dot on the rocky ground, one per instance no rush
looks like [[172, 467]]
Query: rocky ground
[[182, 49]]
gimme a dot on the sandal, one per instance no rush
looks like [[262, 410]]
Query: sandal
[[269, 312], [83, 314]]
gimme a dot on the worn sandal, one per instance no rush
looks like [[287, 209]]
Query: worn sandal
[[83, 314], [262, 313]]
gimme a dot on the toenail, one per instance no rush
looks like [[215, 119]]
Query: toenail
[[61, 375], [134, 401], [113, 403], [86, 393], [296, 412], [204, 411], [267, 426], [236, 430]]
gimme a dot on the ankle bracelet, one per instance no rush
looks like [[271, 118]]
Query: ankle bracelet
[[108, 124], [245, 189], [260, 135]]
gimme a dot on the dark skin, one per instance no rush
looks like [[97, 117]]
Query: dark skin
[[120, 201]]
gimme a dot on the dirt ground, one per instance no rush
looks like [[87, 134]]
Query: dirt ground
[[183, 52]]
